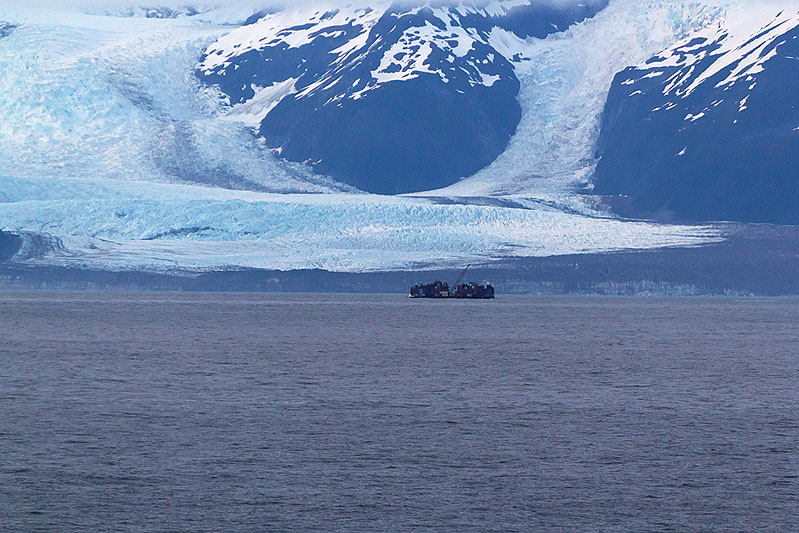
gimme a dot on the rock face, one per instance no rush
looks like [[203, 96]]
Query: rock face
[[708, 130], [391, 99], [6, 29], [9, 245]]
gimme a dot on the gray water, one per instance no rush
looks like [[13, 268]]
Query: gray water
[[226, 412]]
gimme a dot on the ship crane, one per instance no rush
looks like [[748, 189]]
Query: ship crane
[[460, 278]]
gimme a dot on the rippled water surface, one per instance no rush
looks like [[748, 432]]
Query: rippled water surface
[[195, 412]]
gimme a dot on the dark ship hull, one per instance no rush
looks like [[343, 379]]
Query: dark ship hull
[[465, 291]]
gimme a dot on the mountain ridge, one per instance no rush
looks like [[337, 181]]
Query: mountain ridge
[[341, 107], [708, 129]]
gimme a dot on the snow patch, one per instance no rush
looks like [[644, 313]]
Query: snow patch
[[743, 106], [252, 112]]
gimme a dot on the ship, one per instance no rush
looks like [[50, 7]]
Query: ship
[[441, 289]]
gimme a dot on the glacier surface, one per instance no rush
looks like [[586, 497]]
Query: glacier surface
[[138, 225]]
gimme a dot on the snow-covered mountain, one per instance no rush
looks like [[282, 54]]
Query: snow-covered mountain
[[390, 98], [708, 129]]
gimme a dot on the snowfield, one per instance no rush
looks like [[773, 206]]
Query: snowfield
[[109, 143]]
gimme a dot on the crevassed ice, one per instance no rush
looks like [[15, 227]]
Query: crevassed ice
[[163, 226]]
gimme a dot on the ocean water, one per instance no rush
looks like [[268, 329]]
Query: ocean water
[[232, 412]]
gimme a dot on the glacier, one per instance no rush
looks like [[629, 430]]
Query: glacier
[[110, 145]]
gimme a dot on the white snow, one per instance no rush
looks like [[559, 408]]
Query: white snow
[[410, 65], [252, 112], [566, 78], [489, 80], [293, 26], [742, 106], [406, 59]]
